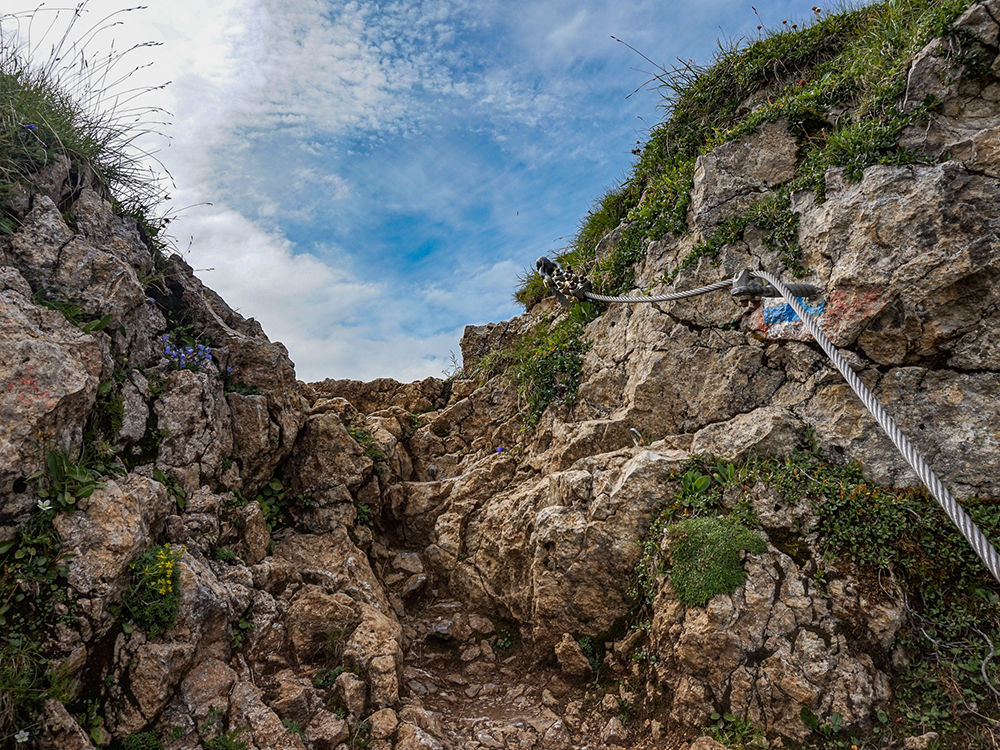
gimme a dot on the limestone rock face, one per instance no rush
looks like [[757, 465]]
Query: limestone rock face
[[329, 462], [552, 551], [773, 647], [265, 428], [571, 659], [729, 178], [780, 642], [109, 530], [965, 126], [196, 420], [49, 374], [382, 393], [413, 537], [96, 265]]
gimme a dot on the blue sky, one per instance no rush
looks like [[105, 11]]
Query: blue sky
[[380, 172]]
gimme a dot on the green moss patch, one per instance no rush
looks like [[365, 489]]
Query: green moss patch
[[707, 557]]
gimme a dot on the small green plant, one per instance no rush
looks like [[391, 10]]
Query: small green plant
[[152, 599], [241, 388], [365, 515], [589, 650], [174, 488], [364, 437], [414, 424], [732, 731], [645, 655], [506, 636], [272, 500], [546, 365], [227, 741], [361, 736], [293, 727], [67, 481], [69, 310], [328, 678], [699, 489], [142, 741], [242, 628], [826, 729]]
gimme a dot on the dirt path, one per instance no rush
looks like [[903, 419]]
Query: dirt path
[[465, 685]]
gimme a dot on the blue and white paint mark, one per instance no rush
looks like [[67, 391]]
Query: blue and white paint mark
[[783, 312]]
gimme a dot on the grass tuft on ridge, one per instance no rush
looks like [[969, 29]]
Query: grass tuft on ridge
[[838, 81]]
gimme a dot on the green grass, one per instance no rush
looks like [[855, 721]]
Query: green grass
[[142, 741], [34, 595], [838, 81], [60, 107], [546, 363]]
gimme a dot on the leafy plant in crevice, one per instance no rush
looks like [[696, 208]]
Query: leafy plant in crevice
[[64, 481], [174, 488], [364, 516], [142, 741], [732, 731], [770, 213], [327, 679], [103, 426], [90, 719], [361, 735], [698, 488], [272, 500], [152, 598], [232, 385], [364, 437], [242, 628], [68, 310], [228, 740], [414, 423]]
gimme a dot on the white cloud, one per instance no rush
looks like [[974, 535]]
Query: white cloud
[[333, 324]]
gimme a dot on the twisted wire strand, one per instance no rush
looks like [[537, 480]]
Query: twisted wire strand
[[663, 297], [978, 541]]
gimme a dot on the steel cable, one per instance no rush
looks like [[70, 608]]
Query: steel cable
[[663, 297], [980, 544]]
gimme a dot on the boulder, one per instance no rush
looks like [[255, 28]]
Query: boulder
[[49, 374], [733, 175]]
